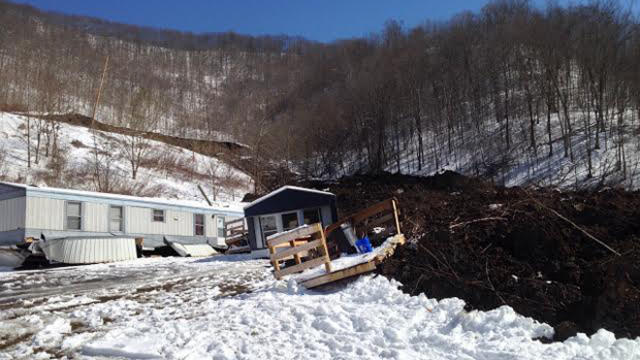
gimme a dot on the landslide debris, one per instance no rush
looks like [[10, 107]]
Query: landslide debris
[[494, 246]]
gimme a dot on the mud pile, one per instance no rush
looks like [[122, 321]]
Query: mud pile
[[493, 246]]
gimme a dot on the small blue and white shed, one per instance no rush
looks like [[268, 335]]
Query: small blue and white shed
[[287, 208]]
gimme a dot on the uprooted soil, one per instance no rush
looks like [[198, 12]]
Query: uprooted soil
[[493, 246]]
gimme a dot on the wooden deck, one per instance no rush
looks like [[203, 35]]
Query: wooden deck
[[357, 269], [303, 243]]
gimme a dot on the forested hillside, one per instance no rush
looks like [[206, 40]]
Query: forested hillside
[[514, 93]]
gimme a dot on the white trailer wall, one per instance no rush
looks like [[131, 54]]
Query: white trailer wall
[[48, 214], [45, 213], [138, 220], [13, 214]]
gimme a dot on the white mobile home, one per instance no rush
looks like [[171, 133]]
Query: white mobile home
[[30, 212]]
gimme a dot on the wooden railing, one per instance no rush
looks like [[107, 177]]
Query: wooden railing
[[235, 231], [385, 213], [295, 244]]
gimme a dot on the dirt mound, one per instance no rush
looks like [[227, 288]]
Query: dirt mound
[[493, 246]]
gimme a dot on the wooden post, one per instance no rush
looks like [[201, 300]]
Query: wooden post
[[327, 259], [274, 262], [292, 243], [95, 105], [395, 215]]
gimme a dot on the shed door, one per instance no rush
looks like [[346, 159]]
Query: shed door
[[268, 226]]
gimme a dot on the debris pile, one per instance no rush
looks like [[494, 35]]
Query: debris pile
[[550, 255]]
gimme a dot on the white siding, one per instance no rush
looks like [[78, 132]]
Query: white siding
[[46, 214], [96, 217], [12, 214], [138, 220], [211, 225]]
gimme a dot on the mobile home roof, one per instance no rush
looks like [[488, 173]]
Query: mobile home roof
[[80, 195]]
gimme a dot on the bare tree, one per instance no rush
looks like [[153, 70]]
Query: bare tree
[[134, 144]]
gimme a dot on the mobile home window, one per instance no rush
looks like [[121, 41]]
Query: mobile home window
[[268, 226], [158, 215], [199, 225], [312, 216], [74, 215], [289, 221], [116, 215]]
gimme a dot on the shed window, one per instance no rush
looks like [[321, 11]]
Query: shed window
[[74, 215], [289, 221], [312, 216], [158, 215], [199, 225], [268, 226], [116, 215]]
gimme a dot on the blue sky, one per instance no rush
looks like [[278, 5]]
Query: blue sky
[[322, 20]]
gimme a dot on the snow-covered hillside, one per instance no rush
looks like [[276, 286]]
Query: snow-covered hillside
[[479, 153], [165, 171], [230, 307]]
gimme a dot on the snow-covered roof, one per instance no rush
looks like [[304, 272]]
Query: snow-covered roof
[[221, 208], [287, 187]]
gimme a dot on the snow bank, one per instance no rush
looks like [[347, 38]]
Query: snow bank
[[185, 308], [370, 319]]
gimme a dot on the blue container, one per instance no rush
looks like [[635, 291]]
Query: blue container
[[364, 245]]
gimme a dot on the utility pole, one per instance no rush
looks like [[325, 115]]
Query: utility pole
[[96, 158]]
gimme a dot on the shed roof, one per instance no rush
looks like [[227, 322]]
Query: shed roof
[[289, 198], [82, 195]]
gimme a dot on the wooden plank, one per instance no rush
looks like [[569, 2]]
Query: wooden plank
[[372, 210], [275, 263], [234, 241], [298, 268], [382, 220], [327, 264], [395, 213], [296, 242], [296, 250], [293, 235], [340, 274], [234, 221], [296, 257], [358, 217]]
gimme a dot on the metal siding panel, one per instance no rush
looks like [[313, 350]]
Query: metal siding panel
[[96, 217], [43, 213], [12, 214], [139, 221], [87, 251]]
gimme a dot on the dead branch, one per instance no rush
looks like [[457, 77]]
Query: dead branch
[[486, 269], [574, 225], [494, 218]]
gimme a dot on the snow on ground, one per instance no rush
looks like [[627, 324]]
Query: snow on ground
[[230, 307], [78, 142]]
